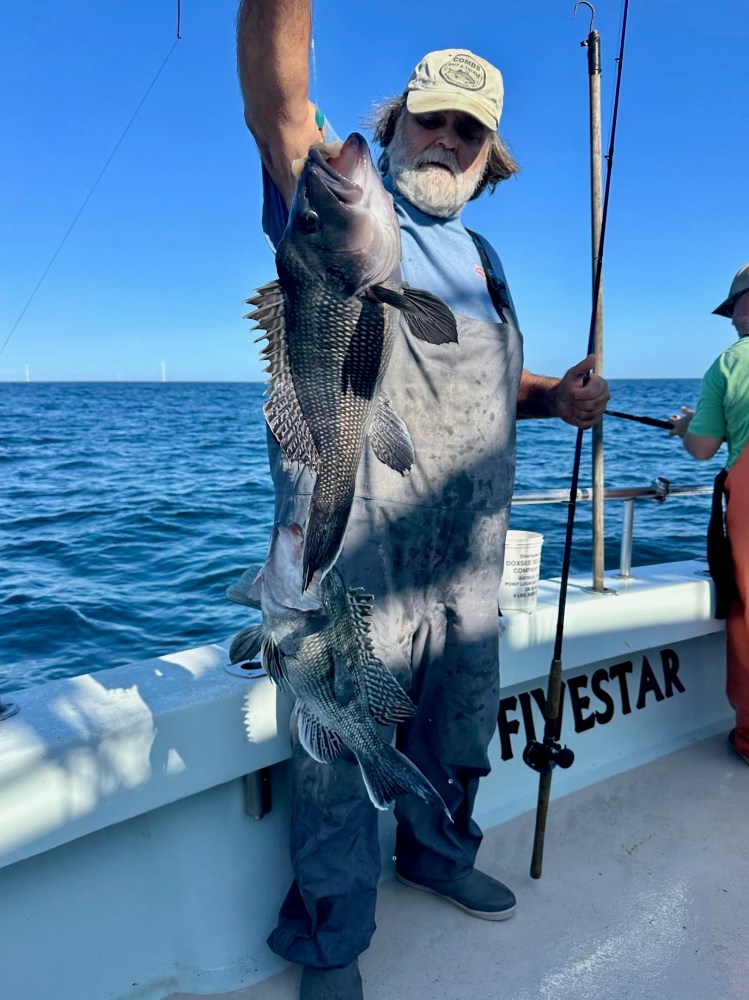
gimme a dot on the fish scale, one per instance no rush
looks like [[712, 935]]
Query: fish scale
[[339, 417]]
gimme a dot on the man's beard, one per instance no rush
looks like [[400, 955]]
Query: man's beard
[[433, 189]]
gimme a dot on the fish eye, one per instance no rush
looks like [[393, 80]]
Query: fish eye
[[310, 221]]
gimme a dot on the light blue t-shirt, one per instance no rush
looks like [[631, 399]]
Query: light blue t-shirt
[[440, 255], [437, 254]]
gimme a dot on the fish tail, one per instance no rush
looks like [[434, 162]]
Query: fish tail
[[323, 539], [388, 774]]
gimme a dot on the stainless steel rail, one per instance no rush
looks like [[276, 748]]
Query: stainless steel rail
[[658, 491]]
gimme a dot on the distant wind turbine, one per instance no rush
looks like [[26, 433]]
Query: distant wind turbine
[[163, 371]]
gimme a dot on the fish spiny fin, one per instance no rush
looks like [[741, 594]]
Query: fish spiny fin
[[272, 660], [388, 702], [389, 437], [320, 743], [287, 423], [282, 409], [243, 591], [246, 644]]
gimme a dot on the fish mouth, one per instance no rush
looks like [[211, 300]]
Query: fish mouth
[[336, 171], [293, 531]]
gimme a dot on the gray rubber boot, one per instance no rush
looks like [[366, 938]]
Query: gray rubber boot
[[331, 984], [476, 893]]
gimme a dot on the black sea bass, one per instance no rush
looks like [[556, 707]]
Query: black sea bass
[[317, 642], [330, 321]]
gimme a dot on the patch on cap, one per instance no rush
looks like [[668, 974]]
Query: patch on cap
[[464, 71]]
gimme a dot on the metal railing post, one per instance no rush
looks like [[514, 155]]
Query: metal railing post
[[628, 530]]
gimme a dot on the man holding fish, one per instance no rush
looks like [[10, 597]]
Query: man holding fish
[[396, 378]]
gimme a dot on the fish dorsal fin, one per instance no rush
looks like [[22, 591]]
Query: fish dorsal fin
[[282, 409], [427, 315], [360, 609], [272, 660], [389, 437], [320, 743], [388, 702], [247, 588], [246, 644]]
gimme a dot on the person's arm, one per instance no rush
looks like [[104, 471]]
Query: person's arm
[[699, 446], [569, 398], [273, 38]]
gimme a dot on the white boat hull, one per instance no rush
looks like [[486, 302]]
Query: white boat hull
[[130, 868]]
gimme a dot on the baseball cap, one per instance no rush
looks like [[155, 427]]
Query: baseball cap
[[456, 80], [739, 285]]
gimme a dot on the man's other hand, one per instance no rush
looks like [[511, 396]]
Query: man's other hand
[[580, 402]]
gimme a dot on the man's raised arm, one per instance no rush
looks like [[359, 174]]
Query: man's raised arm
[[273, 39]]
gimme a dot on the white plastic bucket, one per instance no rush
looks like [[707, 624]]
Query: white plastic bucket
[[519, 588]]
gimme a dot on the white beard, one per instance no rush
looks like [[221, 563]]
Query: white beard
[[433, 189]]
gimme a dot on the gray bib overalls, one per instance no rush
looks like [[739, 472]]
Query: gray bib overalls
[[429, 547]]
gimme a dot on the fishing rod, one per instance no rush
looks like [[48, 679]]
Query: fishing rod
[[667, 425], [545, 756]]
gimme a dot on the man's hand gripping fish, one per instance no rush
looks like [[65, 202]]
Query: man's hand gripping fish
[[317, 641], [330, 321]]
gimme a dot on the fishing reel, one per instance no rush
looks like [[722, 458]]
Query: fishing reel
[[542, 757]]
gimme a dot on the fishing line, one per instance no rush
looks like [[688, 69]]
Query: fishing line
[[93, 186]]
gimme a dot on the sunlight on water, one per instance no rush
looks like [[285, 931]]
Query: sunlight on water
[[127, 509]]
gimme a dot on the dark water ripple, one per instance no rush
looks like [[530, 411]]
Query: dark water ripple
[[127, 509]]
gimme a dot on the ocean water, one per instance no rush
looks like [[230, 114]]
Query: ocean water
[[126, 509]]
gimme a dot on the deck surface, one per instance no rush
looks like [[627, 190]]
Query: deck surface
[[643, 897]]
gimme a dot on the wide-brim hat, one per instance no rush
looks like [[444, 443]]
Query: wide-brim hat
[[457, 80], [739, 285]]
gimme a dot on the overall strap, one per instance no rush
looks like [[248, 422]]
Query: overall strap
[[497, 287]]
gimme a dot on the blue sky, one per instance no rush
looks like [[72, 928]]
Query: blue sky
[[169, 244]]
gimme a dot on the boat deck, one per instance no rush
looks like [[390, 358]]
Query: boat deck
[[643, 897]]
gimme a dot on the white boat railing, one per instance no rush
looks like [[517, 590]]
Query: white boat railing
[[657, 491]]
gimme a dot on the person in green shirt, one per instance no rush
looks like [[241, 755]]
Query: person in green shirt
[[722, 414]]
